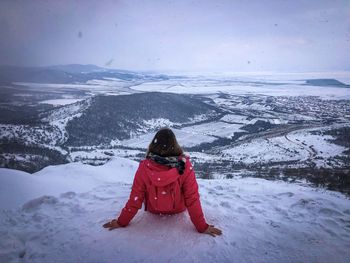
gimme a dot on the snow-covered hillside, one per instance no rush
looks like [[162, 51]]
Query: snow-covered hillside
[[56, 215]]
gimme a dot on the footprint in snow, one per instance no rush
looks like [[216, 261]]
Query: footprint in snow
[[287, 194], [218, 187], [254, 202], [330, 232], [330, 223], [214, 192], [347, 211], [101, 198], [303, 203], [243, 210], [330, 212], [225, 204], [36, 203], [282, 211], [273, 224], [236, 196]]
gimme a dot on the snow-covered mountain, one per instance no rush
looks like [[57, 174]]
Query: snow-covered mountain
[[64, 74], [56, 215], [122, 117]]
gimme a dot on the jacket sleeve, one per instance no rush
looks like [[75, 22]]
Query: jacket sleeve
[[192, 201], [136, 198]]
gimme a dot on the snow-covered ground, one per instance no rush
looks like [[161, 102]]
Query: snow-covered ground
[[37, 135], [102, 153], [56, 215], [189, 136], [294, 146], [184, 137], [215, 128], [57, 102], [93, 87], [194, 86], [263, 83]]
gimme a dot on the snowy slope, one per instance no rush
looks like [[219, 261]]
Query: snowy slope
[[295, 146], [56, 215]]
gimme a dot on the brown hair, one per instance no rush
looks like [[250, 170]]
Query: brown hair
[[164, 143]]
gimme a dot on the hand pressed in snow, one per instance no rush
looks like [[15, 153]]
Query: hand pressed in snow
[[213, 231], [112, 224]]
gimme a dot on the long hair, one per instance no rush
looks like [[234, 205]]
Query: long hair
[[164, 143]]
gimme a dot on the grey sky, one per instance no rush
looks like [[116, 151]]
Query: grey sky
[[217, 35]]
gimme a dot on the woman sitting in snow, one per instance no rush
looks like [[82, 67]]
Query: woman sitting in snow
[[166, 181]]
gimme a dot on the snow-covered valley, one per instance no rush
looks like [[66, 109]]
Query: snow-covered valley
[[291, 127]]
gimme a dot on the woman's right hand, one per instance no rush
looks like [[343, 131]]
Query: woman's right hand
[[213, 231], [112, 224]]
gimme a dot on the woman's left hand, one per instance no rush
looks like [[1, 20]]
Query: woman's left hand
[[213, 231], [112, 224]]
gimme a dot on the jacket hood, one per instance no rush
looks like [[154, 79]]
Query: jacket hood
[[160, 174]]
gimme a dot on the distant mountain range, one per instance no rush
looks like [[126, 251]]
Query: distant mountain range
[[77, 73], [326, 83], [72, 73]]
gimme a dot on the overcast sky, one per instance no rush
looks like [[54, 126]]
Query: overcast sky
[[217, 35]]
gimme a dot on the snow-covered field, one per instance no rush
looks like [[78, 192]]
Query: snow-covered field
[[238, 83], [189, 136], [57, 102], [267, 101], [93, 87], [85, 154], [294, 146], [184, 137], [217, 128], [56, 215], [240, 88]]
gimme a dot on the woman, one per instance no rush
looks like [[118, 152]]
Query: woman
[[166, 182]]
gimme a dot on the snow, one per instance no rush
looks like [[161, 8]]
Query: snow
[[57, 102], [189, 136], [56, 215], [184, 137], [234, 118], [294, 146], [93, 87], [271, 84], [238, 83], [156, 123], [267, 150], [232, 86], [35, 135], [53, 180], [60, 117], [215, 128], [273, 76], [102, 153]]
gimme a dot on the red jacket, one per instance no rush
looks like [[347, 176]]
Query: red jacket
[[150, 172]]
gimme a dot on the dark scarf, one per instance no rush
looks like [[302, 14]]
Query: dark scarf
[[172, 161]]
